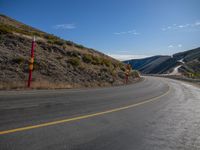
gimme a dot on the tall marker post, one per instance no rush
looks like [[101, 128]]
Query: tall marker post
[[31, 62], [127, 72]]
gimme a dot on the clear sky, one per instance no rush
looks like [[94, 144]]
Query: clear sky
[[120, 28]]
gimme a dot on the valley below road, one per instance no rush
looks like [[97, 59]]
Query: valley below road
[[154, 114]]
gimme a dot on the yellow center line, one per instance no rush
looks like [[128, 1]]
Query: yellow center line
[[84, 116]]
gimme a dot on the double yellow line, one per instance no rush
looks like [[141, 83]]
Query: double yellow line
[[84, 116]]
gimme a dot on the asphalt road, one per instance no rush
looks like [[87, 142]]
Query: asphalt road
[[154, 114]]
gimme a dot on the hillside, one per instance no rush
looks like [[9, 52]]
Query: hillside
[[187, 63], [58, 63]]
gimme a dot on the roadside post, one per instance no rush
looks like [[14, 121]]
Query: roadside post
[[127, 72], [31, 61]]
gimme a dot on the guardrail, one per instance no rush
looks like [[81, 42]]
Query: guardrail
[[175, 77]]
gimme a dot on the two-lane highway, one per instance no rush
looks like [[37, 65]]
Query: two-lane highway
[[155, 113]]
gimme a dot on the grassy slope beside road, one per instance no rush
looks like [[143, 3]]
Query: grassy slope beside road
[[58, 63]]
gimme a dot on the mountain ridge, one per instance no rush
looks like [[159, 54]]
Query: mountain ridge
[[164, 64]]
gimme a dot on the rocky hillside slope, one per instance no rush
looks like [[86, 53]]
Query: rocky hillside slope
[[58, 63], [189, 62]]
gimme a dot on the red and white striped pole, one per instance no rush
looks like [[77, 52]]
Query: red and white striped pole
[[31, 62], [127, 72]]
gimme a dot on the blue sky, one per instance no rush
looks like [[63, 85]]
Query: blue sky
[[120, 28]]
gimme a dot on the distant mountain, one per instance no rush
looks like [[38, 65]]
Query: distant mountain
[[189, 62], [58, 63]]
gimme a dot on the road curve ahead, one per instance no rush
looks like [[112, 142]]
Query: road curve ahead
[[154, 114]]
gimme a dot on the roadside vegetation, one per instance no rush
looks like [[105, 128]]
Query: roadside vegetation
[[58, 63]]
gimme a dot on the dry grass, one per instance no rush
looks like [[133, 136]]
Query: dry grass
[[49, 85], [21, 85], [44, 84], [12, 85], [35, 85]]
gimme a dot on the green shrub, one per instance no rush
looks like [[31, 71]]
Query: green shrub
[[196, 74], [59, 57], [96, 60], [54, 40], [135, 74], [64, 47], [106, 62], [87, 58], [36, 64], [69, 43], [73, 53], [123, 68], [19, 60], [34, 33], [59, 42], [50, 41], [80, 46], [104, 69], [50, 37], [74, 61], [4, 30], [10, 29]]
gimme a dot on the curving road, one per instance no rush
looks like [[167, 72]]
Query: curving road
[[154, 114]]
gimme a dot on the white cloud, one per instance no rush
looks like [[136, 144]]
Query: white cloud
[[65, 26], [123, 57], [197, 24], [175, 46], [123, 51], [133, 32], [186, 27], [170, 46], [181, 26], [180, 45]]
